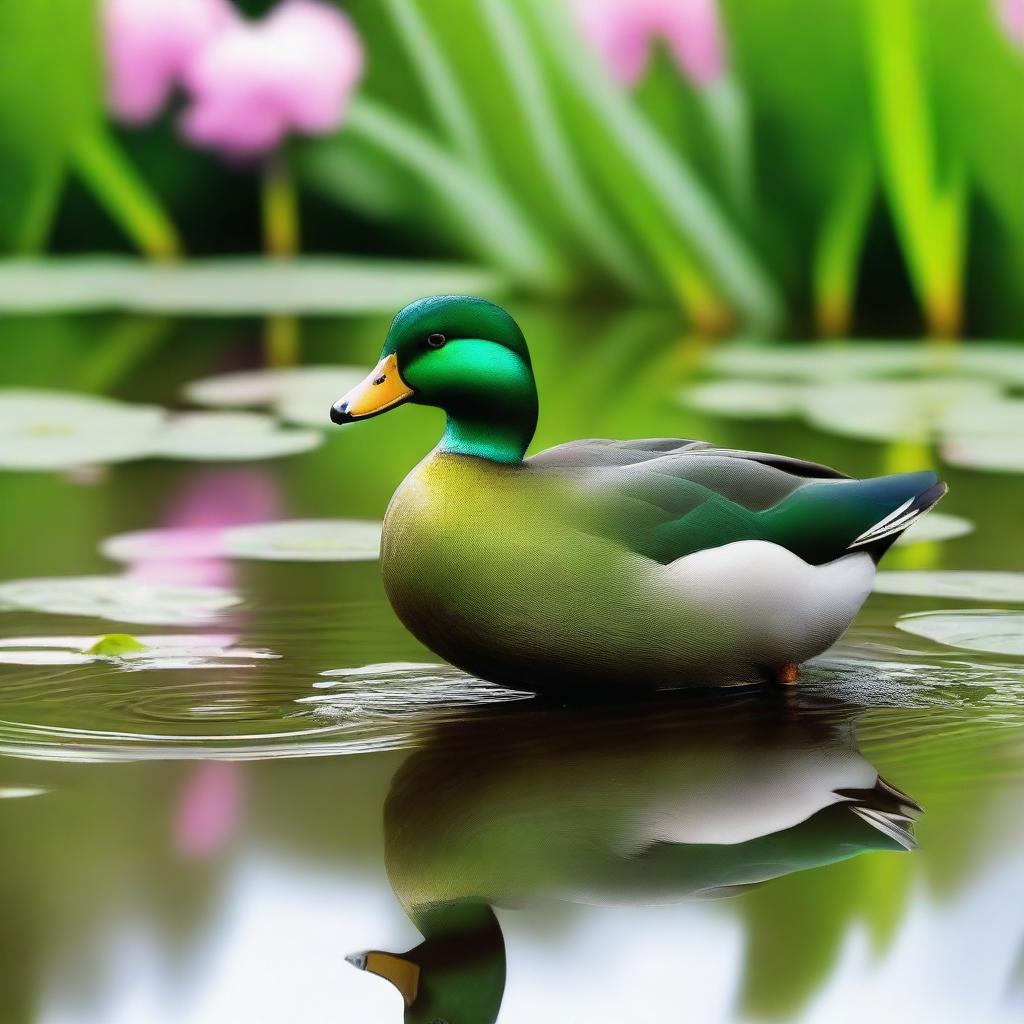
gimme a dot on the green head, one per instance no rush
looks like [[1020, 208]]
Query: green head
[[455, 976], [461, 354]]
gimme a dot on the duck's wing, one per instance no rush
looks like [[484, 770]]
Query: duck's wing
[[666, 498]]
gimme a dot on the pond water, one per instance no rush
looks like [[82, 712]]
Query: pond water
[[200, 819]]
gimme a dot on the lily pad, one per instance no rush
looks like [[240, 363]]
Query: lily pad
[[869, 359], [306, 540], [301, 395], [936, 526], [994, 454], [47, 430], [233, 286], [165, 544], [895, 410], [176, 651], [963, 584], [746, 399], [118, 598], [58, 430], [219, 436], [990, 630]]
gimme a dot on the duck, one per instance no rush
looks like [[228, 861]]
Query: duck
[[684, 799], [598, 565]]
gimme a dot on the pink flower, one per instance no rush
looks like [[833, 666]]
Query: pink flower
[[623, 32], [1011, 15], [255, 82], [150, 43]]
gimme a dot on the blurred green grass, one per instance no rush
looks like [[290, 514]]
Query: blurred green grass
[[856, 169]]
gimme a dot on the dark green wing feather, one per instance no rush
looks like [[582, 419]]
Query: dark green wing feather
[[667, 498]]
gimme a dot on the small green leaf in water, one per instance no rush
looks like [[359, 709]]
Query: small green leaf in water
[[114, 645]]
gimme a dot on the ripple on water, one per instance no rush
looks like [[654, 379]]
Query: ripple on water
[[296, 706]]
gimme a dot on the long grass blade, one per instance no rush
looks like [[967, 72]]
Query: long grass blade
[[928, 211], [124, 195], [548, 137], [685, 200], [498, 229], [439, 83], [839, 245]]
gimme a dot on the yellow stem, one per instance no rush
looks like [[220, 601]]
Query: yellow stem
[[281, 341]]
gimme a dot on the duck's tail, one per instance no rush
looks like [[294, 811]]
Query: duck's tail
[[827, 519], [878, 538]]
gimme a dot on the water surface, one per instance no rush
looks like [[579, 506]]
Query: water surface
[[203, 836]]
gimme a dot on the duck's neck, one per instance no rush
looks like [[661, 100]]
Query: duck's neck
[[499, 430]]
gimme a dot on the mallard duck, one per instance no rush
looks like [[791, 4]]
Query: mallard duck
[[644, 564], [684, 799]]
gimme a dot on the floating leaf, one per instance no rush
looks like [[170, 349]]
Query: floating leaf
[[959, 583], [61, 429], [301, 395], [175, 651], [1000, 417], [990, 630], [165, 544], [746, 399], [894, 410], [232, 286], [995, 454], [306, 540], [47, 430], [118, 598], [868, 359], [935, 526], [222, 436]]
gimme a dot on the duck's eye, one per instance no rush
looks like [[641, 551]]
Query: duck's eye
[[435, 340]]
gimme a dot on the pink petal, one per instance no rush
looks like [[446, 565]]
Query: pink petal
[[1011, 16], [694, 35], [292, 72], [622, 33], [149, 43]]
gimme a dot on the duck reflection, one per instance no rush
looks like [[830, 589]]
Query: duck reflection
[[697, 798]]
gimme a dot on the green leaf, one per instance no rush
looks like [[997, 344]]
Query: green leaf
[[113, 645], [49, 95]]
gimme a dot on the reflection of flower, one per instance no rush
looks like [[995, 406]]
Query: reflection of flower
[[189, 549], [255, 82], [1011, 15], [150, 43], [287, 540], [209, 808], [623, 32]]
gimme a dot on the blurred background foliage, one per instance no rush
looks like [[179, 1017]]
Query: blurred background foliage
[[853, 168]]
